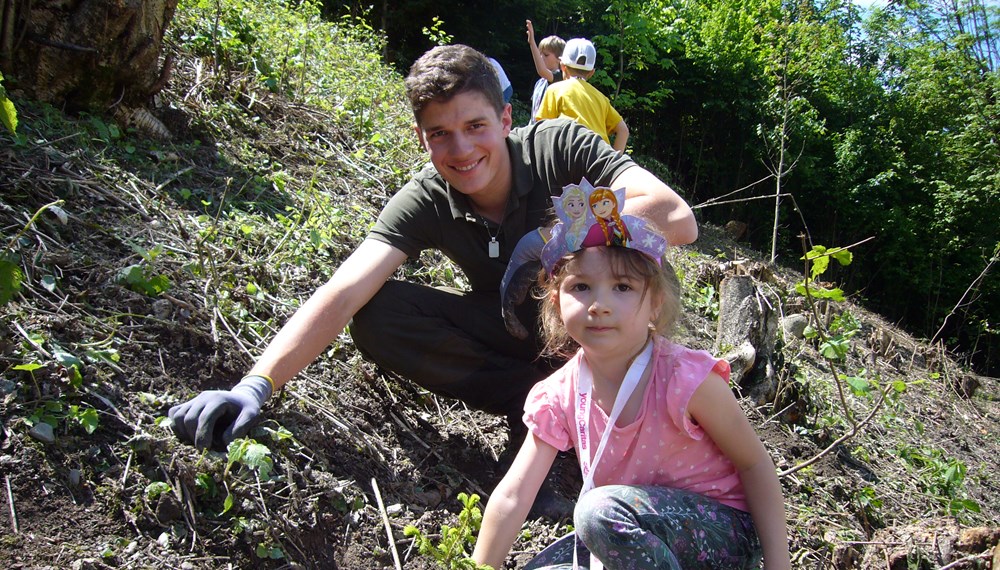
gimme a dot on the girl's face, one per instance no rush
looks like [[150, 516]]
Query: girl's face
[[607, 315], [604, 207], [575, 207]]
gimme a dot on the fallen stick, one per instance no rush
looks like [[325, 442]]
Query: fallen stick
[[388, 527], [13, 511]]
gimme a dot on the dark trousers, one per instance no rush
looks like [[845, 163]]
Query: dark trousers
[[453, 343]]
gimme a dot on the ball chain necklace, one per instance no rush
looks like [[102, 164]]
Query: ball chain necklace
[[493, 247]]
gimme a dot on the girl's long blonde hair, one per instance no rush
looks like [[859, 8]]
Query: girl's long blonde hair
[[660, 281]]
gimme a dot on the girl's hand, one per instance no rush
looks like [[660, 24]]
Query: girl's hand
[[508, 505], [531, 31]]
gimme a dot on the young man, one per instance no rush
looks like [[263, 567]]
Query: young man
[[486, 187], [576, 99]]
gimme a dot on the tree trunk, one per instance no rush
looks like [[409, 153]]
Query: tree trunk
[[85, 54], [747, 337]]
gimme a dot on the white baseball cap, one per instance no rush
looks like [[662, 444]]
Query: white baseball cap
[[579, 53]]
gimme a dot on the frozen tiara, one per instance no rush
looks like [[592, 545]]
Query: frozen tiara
[[590, 217]]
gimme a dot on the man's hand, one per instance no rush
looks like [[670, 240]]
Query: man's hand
[[521, 273], [213, 419]]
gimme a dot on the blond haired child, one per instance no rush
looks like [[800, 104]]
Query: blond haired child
[[545, 54], [576, 99]]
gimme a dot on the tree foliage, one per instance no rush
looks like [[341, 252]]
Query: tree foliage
[[852, 124]]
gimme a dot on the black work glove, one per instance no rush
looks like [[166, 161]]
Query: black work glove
[[214, 418], [520, 276]]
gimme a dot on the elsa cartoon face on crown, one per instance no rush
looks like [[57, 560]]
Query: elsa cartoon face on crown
[[574, 211], [589, 216]]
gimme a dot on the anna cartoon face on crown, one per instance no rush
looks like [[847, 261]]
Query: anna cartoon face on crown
[[602, 223]]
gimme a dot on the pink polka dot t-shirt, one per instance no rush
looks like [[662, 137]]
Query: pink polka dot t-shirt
[[663, 446]]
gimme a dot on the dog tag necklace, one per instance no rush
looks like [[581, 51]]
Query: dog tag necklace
[[494, 245], [493, 248]]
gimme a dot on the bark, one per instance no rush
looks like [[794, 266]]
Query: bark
[[747, 337], [85, 54]]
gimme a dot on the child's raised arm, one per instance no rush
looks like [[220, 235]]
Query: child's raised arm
[[714, 407], [510, 502], [536, 56]]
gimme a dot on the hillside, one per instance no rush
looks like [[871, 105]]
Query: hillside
[[154, 269]]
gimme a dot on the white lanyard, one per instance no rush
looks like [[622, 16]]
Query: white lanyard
[[585, 385]]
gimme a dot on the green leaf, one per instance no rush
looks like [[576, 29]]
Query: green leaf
[[835, 348], [65, 358], [104, 355], [272, 552], [958, 505], [87, 418], [155, 489], [843, 256], [11, 277], [28, 366], [204, 483], [835, 294], [8, 112], [227, 504], [859, 386]]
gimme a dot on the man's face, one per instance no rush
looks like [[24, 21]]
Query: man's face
[[467, 143]]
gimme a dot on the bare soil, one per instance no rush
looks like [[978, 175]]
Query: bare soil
[[345, 435]]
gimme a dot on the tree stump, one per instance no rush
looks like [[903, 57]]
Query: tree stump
[[85, 54], [747, 337]]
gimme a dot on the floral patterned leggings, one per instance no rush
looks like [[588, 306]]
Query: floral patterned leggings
[[639, 528]]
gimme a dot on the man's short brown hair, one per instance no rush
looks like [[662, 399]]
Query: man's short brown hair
[[446, 71]]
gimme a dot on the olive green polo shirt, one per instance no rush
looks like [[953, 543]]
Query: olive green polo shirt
[[427, 214]]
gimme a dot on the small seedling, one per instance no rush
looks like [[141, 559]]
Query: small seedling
[[451, 553]]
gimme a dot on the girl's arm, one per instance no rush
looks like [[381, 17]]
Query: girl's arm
[[716, 410], [510, 502]]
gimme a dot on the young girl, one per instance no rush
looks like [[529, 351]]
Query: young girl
[[674, 475]]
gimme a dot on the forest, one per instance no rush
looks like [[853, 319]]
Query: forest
[[813, 122]]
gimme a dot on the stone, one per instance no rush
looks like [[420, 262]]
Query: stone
[[43, 432], [794, 326]]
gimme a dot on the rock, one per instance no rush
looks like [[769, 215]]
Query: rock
[[168, 508], [162, 308], [74, 477], [735, 229], [43, 432], [845, 557], [794, 326], [966, 385], [978, 539]]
